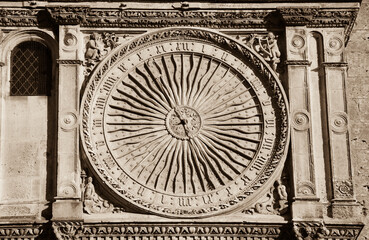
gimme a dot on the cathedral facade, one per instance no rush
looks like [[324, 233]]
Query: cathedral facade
[[179, 120]]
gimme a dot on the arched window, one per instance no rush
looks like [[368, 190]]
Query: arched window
[[31, 66]]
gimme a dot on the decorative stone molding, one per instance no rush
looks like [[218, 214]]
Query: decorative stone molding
[[67, 230], [306, 189], [67, 189], [225, 19], [18, 232], [266, 45], [335, 45], [68, 15], [70, 40], [320, 17], [335, 64], [69, 61], [298, 62], [339, 122], [69, 121], [301, 120], [310, 231], [192, 232], [298, 16]]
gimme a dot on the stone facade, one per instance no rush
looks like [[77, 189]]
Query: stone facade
[[184, 120], [357, 92]]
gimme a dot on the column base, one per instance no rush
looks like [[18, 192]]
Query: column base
[[67, 210], [307, 210], [345, 209]]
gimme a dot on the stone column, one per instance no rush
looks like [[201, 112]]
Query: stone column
[[306, 201], [335, 69], [68, 203]]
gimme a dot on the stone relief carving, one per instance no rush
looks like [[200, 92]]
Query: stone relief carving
[[274, 202], [310, 231], [68, 121], [67, 230], [297, 44], [266, 45], [343, 189], [70, 40], [68, 189], [20, 232], [335, 45], [339, 122], [88, 17], [92, 202], [301, 120], [193, 232], [98, 45], [90, 231], [306, 189]]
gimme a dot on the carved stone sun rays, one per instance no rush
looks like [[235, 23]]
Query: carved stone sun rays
[[183, 123]]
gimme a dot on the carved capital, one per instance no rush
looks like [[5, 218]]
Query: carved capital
[[67, 230]]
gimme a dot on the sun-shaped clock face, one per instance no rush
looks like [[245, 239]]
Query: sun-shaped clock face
[[181, 127]]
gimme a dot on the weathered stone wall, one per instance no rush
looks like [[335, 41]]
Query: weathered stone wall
[[358, 108]]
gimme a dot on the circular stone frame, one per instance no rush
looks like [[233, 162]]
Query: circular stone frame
[[243, 190]]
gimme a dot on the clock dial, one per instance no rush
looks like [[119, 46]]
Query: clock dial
[[183, 123], [181, 128]]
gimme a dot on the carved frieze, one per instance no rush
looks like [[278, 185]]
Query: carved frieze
[[69, 230], [20, 232], [224, 19], [176, 231]]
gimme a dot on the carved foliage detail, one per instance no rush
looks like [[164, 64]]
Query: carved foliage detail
[[310, 231], [67, 230], [266, 46], [343, 189]]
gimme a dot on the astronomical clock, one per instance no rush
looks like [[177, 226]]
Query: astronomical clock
[[185, 123]]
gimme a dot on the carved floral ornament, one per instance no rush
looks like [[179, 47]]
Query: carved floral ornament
[[92, 17], [167, 103]]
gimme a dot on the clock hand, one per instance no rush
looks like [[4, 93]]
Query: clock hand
[[183, 121]]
